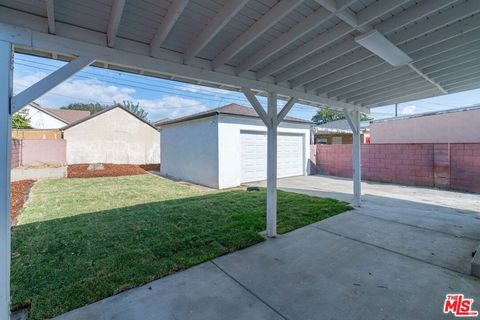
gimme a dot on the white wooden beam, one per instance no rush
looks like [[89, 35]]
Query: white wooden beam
[[257, 106], [274, 15], [461, 72], [410, 47], [318, 60], [6, 68], [378, 86], [420, 94], [272, 166], [412, 84], [271, 121], [455, 54], [49, 82], [458, 87], [296, 32], [174, 11], [372, 86], [230, 9], [344, 14], [347, 72], [398, 96], [324, 70], [420, 73], [320, 42], [400, 20], [50, 16], [363, 76], [369, 14], [134, 56], [453, 64], [441, 51], [467, 38], [114, 21], [286, 108]]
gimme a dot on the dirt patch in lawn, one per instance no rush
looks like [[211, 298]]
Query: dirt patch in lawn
[[18, 193], [106, 170]]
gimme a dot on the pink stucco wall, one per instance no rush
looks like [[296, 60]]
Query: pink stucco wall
[[451, 166], [454, 127], [39, 152]]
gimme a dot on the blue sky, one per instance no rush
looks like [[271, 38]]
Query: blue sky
[[170, 99]]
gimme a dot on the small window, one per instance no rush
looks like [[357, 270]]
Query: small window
[[336, 140]]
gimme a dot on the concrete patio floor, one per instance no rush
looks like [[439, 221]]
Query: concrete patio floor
[[396, 257]]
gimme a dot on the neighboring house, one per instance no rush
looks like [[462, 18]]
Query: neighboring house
[[113, 135], [49, 118], [227, 146], [339, 132], [454, 126]]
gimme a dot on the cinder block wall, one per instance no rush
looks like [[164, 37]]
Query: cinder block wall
[[449, 166], [465, 166], [16, 146]]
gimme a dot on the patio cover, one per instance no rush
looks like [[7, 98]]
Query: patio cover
[[351, 55]]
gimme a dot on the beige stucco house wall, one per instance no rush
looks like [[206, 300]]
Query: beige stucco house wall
[[113, 136], [454, 126]]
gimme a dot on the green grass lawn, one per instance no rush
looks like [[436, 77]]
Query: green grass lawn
[[81, 240]]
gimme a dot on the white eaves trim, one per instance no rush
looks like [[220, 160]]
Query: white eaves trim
[[129, 54]]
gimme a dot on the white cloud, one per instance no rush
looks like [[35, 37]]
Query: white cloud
[[171, 107], [94, 90], [412, 109], [202, 89]]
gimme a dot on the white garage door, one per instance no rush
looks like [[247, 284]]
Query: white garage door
[[253, 153]]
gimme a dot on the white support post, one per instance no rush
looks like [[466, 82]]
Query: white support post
[[353, 118], [271, 119], [272, 166], [6, 65]]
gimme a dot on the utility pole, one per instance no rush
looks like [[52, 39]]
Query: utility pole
[[396, 110]]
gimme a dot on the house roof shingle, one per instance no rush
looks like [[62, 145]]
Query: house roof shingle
[[68, 115], [73, 124], [229, 109]]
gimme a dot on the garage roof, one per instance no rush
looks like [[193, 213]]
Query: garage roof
[[230, 109], [319, 51], [73, 124], [66, 116]]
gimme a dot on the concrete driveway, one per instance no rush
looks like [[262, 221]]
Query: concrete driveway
[[394, 258]]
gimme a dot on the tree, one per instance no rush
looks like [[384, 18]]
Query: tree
[[325, 115], [134, 108], [90, 107], [20, 120]]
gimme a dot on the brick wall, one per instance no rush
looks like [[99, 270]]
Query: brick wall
[[465, 166], [16, 146], [450, 166]]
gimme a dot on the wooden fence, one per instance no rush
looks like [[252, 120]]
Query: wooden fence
[[36, 134]]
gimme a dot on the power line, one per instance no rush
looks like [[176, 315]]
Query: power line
[[124, 82]]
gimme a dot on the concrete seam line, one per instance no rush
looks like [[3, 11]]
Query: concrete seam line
[[417, 227], [392, 251], [249, 291]]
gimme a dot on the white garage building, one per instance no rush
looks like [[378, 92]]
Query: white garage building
[[227, 146]]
